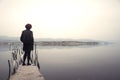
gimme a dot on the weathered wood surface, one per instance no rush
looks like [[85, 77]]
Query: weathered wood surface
[[27, 73]]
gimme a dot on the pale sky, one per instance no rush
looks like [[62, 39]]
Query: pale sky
[[76, 19]]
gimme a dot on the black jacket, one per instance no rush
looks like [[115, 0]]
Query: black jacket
[[27, 39]]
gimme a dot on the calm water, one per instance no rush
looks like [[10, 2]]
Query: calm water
[[74, 63], [4, 57], [78, 63]]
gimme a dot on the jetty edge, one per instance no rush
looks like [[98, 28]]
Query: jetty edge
[[27, 72]]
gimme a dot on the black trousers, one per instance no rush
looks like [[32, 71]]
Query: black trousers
[[26, 55]]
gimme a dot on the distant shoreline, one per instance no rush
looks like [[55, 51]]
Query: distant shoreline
[[58, 43], [65, 43]]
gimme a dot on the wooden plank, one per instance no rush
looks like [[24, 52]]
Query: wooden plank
[[27, 73]]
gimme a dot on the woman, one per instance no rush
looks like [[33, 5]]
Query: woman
[[28, 41]]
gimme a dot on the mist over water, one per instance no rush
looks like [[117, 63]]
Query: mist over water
[[86, 62], [66, 19], [76, 63]]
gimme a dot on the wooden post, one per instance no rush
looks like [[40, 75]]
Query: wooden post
[[9, 70]]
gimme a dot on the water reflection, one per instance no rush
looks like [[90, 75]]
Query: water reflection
[[83, 62], [97, 63], [4, 57]]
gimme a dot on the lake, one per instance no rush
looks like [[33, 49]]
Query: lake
[[100, 62]]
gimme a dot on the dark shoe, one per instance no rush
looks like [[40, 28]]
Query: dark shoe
[[28, 64], [23, 64]]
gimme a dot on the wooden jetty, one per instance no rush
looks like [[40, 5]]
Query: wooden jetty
[[27, 73]]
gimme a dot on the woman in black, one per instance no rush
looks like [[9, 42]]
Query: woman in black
[[28, 41]]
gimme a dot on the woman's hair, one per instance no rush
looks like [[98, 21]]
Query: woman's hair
[[28, 26]]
